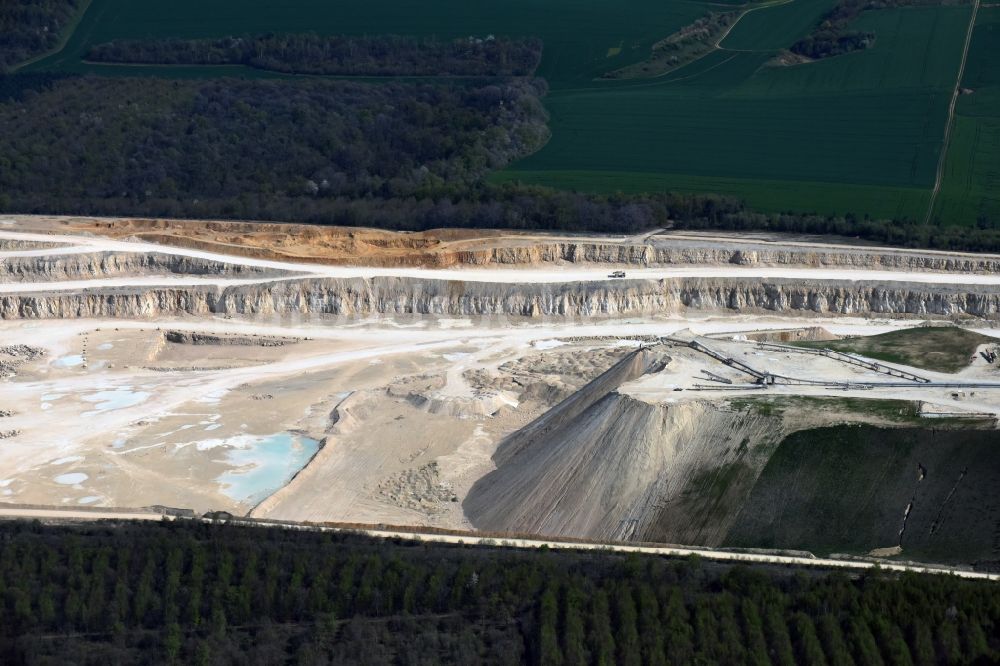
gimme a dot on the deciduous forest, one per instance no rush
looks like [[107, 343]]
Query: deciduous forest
[[31, 27]]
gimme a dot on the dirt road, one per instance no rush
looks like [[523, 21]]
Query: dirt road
[[492, 542]]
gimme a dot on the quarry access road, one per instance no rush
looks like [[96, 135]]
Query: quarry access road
[[518, 274], [471, 539], [778, 240]]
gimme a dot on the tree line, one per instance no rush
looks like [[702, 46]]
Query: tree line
[[31, 27], [831, 36], [310, 53], [204, 594]]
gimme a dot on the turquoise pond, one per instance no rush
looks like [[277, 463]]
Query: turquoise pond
[[265, 464]]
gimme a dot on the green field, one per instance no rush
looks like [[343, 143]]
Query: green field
[[858, 133], [773, 28], [770, 196], [970, 189]]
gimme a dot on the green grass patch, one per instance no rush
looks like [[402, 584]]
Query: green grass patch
[[896, 411], [940, 348]]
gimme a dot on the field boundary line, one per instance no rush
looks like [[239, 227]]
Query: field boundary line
[[766, 5], [956, 91], [716, 46]]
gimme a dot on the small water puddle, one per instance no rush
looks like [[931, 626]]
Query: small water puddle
[[118, 398], [69, 361], [71, 479]]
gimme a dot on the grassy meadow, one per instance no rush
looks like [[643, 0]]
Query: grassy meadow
[[941, 348]]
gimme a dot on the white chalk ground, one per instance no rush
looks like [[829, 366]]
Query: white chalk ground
[[113, 415], [117, 432], [519, 274]]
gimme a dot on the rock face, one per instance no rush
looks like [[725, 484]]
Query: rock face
[[90, 265], [384, 295], [677, 251]]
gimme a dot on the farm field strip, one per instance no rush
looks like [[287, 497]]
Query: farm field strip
[[970, 185], [772, 196], [951, 113]]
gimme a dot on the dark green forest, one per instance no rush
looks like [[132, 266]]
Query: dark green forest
[[82, 140], [384, 55], [31, 27], [195, 593]]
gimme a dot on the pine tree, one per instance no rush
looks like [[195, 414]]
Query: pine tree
[[602, 642], [807, 644], [753, 632], [549, 652], [650, 628], [776, 630], [832, 637], [574, 632]]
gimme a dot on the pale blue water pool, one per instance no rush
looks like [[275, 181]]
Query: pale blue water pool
[[118, 398], [265, 464], [69, 361]]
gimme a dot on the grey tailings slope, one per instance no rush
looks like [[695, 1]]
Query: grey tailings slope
[[846, 488]]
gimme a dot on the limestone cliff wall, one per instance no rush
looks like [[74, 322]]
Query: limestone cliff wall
[[357, 296], [662, 253], [92, 265]]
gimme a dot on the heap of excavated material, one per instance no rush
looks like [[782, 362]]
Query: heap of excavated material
[[610, 471]]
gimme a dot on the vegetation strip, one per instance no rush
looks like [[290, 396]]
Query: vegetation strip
[[341, 55]]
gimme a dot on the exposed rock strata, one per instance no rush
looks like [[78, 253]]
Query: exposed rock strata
[[116, 264], [684, 252], [356, 296]]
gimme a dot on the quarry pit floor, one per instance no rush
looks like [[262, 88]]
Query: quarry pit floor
[[369, 419]]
